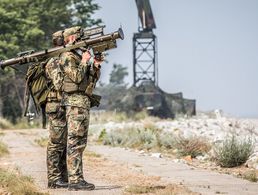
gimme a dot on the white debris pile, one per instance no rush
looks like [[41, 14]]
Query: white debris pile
[[212, 126], [216, 130]]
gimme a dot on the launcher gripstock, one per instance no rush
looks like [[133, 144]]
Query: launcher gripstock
[[92, 38]]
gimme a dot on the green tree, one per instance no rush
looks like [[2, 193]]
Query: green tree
[[118, 74], [29, 24]]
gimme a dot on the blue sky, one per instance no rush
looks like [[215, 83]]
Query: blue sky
[[207, 49]]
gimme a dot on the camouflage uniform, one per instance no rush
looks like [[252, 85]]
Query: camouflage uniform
[[56, 149], [78, 82], [69, 121]]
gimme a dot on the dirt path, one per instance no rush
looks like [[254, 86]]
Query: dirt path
[[109, 175], [197, 180], [30, 159], [112, 169]]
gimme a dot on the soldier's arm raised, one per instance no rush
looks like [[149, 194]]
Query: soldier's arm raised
[[72, 70]]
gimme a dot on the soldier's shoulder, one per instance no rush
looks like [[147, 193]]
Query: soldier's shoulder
[[52, 61], [67, 57], [67, 54]]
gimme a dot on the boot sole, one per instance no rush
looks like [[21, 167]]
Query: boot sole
[[77, 189], [55, 187]]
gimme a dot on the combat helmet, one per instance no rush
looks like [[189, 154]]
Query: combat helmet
[[59, 36]]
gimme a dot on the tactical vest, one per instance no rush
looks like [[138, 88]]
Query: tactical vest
[[69, 86], [86, 85]]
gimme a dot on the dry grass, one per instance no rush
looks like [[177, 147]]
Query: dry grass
[[140, 116], [5, 124], [160, 190], [91, 154], [21, 124], [251, 176], [42, 142], [175, 190], [136, 189], [3, 149], [192, 146], [12, 182], [150, 138]]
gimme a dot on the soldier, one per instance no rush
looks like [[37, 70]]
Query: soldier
[[81, 70], [56, 149]]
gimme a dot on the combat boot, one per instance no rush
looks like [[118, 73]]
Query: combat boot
[[57, 184], [82, 185]]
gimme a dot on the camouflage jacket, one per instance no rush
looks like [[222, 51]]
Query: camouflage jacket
[[80, 74], [73, 67]]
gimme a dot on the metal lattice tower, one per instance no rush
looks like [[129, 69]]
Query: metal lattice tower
[[145, 66], [145, 46]]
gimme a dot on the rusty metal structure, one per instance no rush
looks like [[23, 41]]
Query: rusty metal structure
[[145, 94], [145, 46]]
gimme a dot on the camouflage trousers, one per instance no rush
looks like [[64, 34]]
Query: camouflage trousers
[[77, 124], [68, 132], [56, 149]]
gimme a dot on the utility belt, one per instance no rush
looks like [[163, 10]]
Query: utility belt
[[54, 96], [85, 88]]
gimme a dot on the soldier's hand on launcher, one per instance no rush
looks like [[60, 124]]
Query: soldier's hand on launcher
[[86, 56], [98, 59]]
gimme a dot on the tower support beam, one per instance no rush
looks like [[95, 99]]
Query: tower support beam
[[145, 57]]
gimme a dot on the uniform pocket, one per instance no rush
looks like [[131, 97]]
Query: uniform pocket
[[57, 129], [52, 107], [78, 121]]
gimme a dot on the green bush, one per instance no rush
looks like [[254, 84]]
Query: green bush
[[148, 138], [102, 135], [135, 138], [151, 138], [113, 138], [167, 140], [233, 152]]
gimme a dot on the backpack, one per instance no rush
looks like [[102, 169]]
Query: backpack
[[55, 73], [37, 87]]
